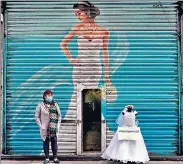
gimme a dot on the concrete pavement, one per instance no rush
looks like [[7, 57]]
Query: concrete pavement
[[84, 162]]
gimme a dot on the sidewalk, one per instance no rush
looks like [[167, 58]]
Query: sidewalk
[[84, 162]]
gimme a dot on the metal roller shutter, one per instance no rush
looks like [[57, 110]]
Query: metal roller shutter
[[144, 59]]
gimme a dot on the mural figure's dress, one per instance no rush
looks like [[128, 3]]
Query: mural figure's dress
[[87, 71]]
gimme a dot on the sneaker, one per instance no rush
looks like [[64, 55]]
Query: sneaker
[[46, 161], [56, 160]]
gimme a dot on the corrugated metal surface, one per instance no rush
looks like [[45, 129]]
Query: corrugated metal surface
[[143, 54], [148, 78]]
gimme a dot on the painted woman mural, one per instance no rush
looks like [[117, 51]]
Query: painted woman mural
[[92, 38], [42, 56], [53, 72]]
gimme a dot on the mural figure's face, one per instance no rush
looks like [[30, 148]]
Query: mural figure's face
[[82, 15]]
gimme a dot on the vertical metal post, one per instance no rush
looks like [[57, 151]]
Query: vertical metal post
[[1, 30], [3, 75], [103, 118], [180, 86], [1, 66], [79, 119]]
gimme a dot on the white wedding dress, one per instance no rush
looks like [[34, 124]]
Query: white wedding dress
[[127, 151]]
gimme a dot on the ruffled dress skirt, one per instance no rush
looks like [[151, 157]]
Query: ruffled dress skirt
[[126, 150]]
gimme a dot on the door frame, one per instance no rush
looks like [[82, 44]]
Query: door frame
[[180, 67], [79, 113]]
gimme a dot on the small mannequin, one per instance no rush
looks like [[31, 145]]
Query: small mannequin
[[127, 150]]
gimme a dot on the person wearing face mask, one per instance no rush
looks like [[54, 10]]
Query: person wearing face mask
[[48, 118]]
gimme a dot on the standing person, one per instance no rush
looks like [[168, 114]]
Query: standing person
[[48, 118], [127, 150], [92, 38]]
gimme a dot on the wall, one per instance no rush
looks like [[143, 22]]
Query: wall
[[1, 68], [143, 63]]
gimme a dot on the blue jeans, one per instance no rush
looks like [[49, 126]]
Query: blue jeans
[[54, 146]]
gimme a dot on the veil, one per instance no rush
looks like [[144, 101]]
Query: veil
[[120, 119]]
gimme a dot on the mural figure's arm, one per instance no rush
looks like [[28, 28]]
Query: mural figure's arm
[[65, 42], [106, 56]]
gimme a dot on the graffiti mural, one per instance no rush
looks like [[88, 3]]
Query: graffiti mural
[[92, 41], [130, 48], [90, 44]]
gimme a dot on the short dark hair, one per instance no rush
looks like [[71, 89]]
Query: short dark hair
[[87, 6], [47, 92]]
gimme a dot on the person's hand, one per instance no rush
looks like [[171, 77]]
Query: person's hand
[[75, 61], [43, 133], [43, 130]]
